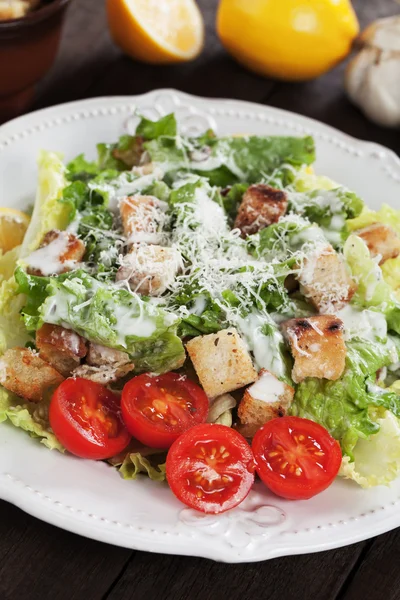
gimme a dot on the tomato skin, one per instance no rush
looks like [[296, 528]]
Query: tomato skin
[[157, 409], [296, 458], [86, 419], [196, 454]]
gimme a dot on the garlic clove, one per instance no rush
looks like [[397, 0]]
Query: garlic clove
[[381, 100], [383, 33], [372, 77]]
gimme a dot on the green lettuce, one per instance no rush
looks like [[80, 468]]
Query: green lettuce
[[226, 161], [135, 463], [376, 459], [152, 130], [29, 416], [48, 213], [329, 209], [306, 180], [105, 315], [343, 406], [373, 291], [387, 215]]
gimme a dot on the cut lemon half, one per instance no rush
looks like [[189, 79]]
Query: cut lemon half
[[157, 31], [13, 225]]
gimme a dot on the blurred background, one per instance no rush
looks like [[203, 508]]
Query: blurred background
[[295, 39], [90, 64]]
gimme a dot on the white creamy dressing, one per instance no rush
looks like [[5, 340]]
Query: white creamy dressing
[[267, 388], [127, 325], [47, 259], [366, 324], [265, 348], [122, 186], [199, 306]]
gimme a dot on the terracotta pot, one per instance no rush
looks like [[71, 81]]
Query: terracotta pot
[[28, 47]]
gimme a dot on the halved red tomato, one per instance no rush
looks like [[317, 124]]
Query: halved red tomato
[[296, 458], [86, 418], [210, 468], [158, 409]]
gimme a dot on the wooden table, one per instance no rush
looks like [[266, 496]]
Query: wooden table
[[38, 561]]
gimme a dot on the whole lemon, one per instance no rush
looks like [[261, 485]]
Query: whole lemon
[[293, 40]]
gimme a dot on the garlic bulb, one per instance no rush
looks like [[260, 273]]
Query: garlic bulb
[[373, 76]]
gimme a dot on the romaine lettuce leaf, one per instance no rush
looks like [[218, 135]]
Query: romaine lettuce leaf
[[29, 416], [387, 215], [106, 315], [373, 291], [135, 464], [306, 180], [329, 209], [48, 213], [226, 161], [152, 130], [376, 459], [343, 406]]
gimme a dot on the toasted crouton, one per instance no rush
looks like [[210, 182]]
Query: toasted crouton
[[105, 374], [317, 345], [266, 399], [25, 374], [59, 252], [261, 206], [99, 356], [221, 361], [324, 280], [381, 240], [132, 153], [60, 347], [149, 269], [143, 218]]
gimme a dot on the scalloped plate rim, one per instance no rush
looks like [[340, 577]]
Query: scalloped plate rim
[[182, 544]]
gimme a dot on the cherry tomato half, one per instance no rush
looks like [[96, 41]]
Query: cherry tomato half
[[210, 468], [86, 418], [158, 409], [296, 458]]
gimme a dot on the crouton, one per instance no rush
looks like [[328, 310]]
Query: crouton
[[324, 280], [149, 269], [60, 347], [381, 240], [105, 374], [221, 361], [266, 399], [59, 252], [132, 153], [317, 345], [261, 206], [143, 218], [99, 356], [25, 374]]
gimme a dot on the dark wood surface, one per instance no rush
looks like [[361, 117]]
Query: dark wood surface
[[38, 561]]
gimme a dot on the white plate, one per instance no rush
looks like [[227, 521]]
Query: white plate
[[90, 498]]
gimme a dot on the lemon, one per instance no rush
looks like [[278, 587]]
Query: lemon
[[157, 31], [13, 225], [293, 40]]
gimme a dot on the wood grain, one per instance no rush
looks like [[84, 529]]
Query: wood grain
[[38, 561]]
